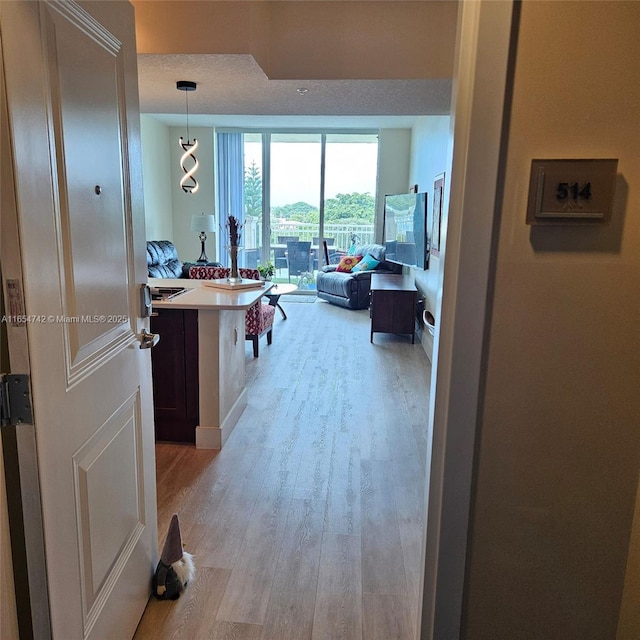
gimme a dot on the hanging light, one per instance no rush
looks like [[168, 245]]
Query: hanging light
[[188, 182]]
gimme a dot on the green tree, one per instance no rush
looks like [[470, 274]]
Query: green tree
[[300, 211], [354, 208], [350, 207], [253, 191]]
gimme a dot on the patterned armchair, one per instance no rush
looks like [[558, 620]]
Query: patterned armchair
[[259, 317]]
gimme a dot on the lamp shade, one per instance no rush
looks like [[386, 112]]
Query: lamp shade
[[203, 223]]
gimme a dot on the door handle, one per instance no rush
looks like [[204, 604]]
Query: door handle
[[148, 340], [145, 301]]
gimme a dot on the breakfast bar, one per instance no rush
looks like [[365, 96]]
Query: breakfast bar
[[199, 362]]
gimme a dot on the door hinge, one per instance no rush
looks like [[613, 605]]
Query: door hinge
[[15, 399]]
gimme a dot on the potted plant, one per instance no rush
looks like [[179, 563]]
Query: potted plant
[[266, 270]]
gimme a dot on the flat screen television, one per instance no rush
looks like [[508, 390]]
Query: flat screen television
[[406, 232]]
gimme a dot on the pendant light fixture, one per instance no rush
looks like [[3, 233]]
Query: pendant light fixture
[[188, 182]]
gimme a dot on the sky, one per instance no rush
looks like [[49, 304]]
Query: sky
[[295, 169]]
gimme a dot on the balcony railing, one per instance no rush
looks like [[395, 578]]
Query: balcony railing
[[340, 233]]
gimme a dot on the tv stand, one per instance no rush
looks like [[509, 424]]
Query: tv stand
[[393, 305]]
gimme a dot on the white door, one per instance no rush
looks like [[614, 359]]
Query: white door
[[71, 86]]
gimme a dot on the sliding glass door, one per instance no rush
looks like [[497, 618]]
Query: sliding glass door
[[351, 169], [299, 187], [295, 195]]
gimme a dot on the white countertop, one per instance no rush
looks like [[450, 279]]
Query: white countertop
[[202, 297]]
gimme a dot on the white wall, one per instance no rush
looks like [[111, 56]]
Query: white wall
[[394, 149], [168, 208], [156, 173], [559, 442], [430, 139]]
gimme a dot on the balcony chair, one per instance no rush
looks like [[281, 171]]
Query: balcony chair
[[280, 253], [299, 258], [316, 243], [333, 256], [259, 317], [251, 257]]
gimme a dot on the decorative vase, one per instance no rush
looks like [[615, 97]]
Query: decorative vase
[[234, 276]]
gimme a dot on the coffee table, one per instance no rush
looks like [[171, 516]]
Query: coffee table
[[279, 289]]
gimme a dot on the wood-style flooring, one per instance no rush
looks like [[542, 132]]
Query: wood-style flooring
[[307, 525]]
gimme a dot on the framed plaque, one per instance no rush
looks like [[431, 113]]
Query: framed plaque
[[438, 199], [571, 191]]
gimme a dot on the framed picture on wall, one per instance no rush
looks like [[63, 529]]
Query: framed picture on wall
[[438, 200]]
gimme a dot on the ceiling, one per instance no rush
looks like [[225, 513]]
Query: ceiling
[[380, 91], [234, 85]]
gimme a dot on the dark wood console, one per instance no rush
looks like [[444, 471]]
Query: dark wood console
[[393, 305]]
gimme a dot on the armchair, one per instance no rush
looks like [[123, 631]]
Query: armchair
[[162, 260], [259, 317]]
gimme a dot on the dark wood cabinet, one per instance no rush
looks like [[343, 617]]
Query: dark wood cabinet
[[174, 362], [393, 305]]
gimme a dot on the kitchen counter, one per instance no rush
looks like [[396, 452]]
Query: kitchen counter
[[199, 296], [211, 346]]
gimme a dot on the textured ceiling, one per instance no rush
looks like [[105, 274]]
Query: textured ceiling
[[234, 84], [366, 63]]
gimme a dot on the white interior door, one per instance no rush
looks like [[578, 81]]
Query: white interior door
[[72, 98]]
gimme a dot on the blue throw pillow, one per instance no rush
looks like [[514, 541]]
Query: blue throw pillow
[[366, 264]]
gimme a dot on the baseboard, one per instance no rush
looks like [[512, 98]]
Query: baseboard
[[215, 437]]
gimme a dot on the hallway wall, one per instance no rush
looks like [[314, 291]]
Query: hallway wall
[[559, 447], [430, 142]]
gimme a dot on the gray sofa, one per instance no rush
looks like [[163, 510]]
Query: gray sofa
[[162, 260], [351, 290]]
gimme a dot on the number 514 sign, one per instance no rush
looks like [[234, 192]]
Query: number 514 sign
[[571, 191]]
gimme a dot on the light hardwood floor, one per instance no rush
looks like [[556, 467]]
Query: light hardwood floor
[[308, 524]]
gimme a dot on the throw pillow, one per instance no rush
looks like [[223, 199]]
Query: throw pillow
[[366, 264], [347, 263]]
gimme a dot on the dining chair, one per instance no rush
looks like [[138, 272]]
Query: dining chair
[[299, 258], [258, 318]]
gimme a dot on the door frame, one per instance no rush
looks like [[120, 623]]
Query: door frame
[[485, 48], [19, 442], [483, 40]]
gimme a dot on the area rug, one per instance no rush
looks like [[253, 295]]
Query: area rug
[[298, 298]]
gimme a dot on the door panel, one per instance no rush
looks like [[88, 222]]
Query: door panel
[[105, 542], [86, 75], [75, 127]]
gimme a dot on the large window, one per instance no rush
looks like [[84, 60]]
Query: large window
[[350, 188], [302, 187]]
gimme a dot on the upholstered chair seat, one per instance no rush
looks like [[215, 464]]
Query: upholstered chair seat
[[259, 317]]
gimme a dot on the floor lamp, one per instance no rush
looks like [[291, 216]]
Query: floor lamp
[[202, 224]]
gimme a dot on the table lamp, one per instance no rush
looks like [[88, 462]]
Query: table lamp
[[202, 224]]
